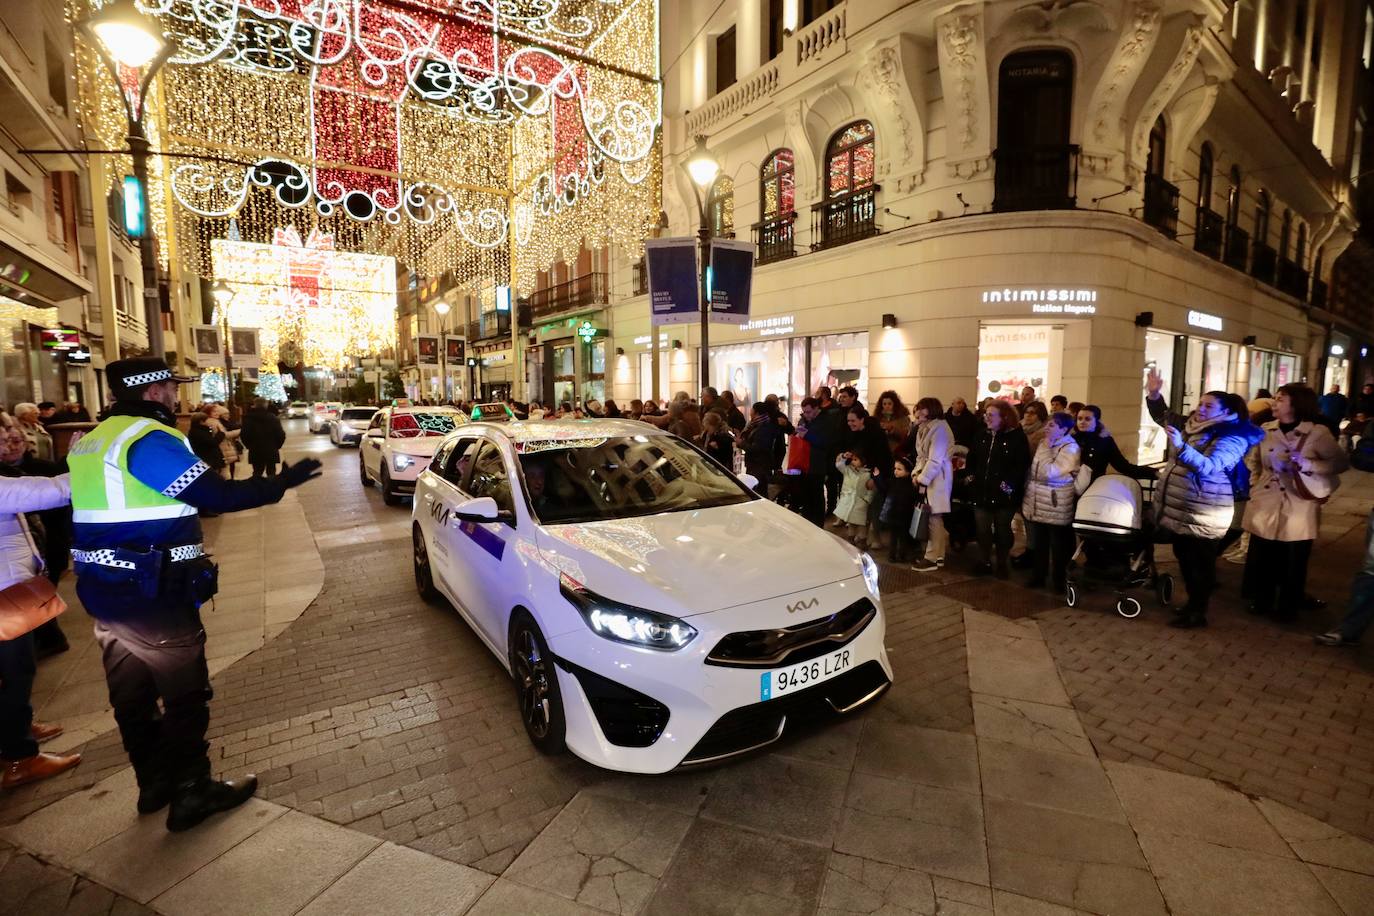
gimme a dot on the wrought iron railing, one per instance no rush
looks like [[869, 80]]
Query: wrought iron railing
[[1292, 279], [1161, 205], [775, 239], [841, 220], [1209, 234], [579, 292], [1035, 178], [1237, 248], [639, 277], [1264, 263]]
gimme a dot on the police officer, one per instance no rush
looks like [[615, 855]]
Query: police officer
[[142, 574]]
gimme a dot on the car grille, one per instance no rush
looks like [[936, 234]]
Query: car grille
[[750, 727], [789, 645], [627, 717]]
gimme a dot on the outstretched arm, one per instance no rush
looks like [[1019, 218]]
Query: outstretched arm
[[164, 463]]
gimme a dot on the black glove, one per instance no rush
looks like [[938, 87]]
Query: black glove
[[293, 475]]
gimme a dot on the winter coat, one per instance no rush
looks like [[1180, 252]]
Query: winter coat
[[1275, 510], [263, 436], [226, 443], [833, 428], [965, 427], [855, 495], [17, 496], [997, 466], [870, 444], [900, 503], [1195, 493], [205, 443], [685, 422], [760, 440], [720, 446], [39, 441], [897, 429], [1099, 451], [1050, 494], [934, 468]]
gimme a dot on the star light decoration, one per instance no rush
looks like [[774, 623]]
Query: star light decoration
[[453, 134]]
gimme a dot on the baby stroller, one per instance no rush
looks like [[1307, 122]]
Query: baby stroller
[[1118, 545]]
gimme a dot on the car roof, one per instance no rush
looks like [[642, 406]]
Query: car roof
[[518, 431], [415, 409]]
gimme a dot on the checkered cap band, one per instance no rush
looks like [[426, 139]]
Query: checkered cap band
[[146, 378], [101, 558]]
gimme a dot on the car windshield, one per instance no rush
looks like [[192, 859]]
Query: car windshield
[[357, 413], [596, 479], [417, 425], [297, 403]]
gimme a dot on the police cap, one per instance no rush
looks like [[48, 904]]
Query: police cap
[[128, 377]]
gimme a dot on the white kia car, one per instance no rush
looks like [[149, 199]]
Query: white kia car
[[321, 413], [348, 427], [399, 443], [653, 611]]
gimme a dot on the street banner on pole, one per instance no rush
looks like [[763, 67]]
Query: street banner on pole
[[209, 347], [674, 291], [427, 349], [243, 343], [731, 277], [454, 350]]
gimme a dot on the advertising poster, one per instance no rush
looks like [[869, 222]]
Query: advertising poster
[[674, 296], [243, 344], [209, 350], [454, 350], [427, 350], [732, 276]]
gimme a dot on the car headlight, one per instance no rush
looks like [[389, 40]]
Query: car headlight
[[870, 568], [623, 623], [401, 462]]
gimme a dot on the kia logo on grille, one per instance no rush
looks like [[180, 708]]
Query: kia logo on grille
[[802, 605]]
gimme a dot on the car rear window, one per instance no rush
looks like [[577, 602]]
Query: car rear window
[[416, 425], [357, 413]]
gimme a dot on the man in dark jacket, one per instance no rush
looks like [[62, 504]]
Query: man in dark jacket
[[830, 422], [263, 436], [996, 472], [813, 505]]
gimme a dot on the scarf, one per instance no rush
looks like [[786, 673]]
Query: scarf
[[1196, 424]]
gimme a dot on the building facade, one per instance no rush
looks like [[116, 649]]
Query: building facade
[[957, 199]]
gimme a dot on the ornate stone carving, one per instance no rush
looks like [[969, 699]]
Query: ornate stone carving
[[960, 42], [1130, 56], [887, 84], [1183, 63], [969, 168]]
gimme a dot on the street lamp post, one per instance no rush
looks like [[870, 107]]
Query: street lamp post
[[703, 168], [223, 294], [126, 36], [441, 308]]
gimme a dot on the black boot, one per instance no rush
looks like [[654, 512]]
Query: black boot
[[154, 796], [1001, 571], [193, 802], [1188, 619]]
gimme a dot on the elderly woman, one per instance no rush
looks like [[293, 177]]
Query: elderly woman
[[1049, 502], [35, 434], [1195, 499], [1297, 460]]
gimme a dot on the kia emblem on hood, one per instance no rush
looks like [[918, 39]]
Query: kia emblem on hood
[[802, 605]]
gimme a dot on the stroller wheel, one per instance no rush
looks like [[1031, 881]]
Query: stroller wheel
[[1128, 607], [1164, 589], [1071, 595]]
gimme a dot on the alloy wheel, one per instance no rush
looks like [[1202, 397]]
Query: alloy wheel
[[532, 680]]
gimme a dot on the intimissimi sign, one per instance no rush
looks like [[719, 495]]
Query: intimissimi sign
[[1047, 301]]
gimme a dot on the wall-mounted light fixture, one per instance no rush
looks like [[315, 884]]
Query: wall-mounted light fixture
[[677, 345], [1249, 341], [1144, 319], [889, 320], [619, 351]]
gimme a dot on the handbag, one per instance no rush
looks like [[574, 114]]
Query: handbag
[[1315, 488], [25, 606], [920, 522]]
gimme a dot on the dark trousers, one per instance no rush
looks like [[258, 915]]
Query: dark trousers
[[1361, 611], [1053, 547], [1197, 562], [834, 483], [264, 468], [144, 665], [813, 499], [994, 528], [17, 668], [1276, 575]]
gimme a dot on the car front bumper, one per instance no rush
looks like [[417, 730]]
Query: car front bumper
[[347, 436], [712, 711]]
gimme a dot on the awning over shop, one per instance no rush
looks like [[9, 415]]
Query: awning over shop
[[28, 280]]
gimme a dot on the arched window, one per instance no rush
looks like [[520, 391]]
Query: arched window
[[720, 207], [849, 160], [1262, 218], [1035, 160], [1154, 160], [1205, 162], [1285, 233], [1233, 199], [1300, 255], [777, 186]]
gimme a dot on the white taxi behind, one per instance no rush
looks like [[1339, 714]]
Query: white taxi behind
[[399, 443]]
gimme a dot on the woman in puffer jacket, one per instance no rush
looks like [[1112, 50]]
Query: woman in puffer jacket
[[1194, 500], [19, 734], [1049, 501], [1282, 523]]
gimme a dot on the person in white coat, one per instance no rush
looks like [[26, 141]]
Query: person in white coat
[[19, 734], [933, 471], [1298, 453], [218, 422], [1049, 502]]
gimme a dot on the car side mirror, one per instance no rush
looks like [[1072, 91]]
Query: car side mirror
[[375, 434], [477, 509], [749, 480]]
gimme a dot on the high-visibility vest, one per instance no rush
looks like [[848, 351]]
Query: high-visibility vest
[[103, 490]]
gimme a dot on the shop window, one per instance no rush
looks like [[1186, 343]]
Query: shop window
[[725, 60], [849, 211], [1037, 167], [777, 195], [1161, 197], [720, 207]]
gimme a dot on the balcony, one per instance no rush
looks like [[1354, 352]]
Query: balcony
[[1264, 265], [775, 239], [841, 220], [1035, 178], [1318, 298], [1292, 279], [1161, 205], [1209, 234], [586, 291], [639, 278], [1237, 248]]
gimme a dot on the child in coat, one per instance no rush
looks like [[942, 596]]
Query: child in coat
[[897, 510], [855, 495]]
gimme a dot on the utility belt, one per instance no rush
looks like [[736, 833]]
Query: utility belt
[[174, 574]]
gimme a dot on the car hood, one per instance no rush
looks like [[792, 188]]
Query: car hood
[[695, 562], [424, 447]]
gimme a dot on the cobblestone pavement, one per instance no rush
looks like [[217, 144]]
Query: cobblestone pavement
[[380, 714]]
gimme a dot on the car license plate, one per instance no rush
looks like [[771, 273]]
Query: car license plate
[[773, 684]]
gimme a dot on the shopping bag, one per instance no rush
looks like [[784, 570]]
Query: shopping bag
[[798, 454]]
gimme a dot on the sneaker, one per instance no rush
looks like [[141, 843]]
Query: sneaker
[[1335, 640], [940, 562], [924, 565]]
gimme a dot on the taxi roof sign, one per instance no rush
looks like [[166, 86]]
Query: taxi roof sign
[[492, 412], [401, 402]]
